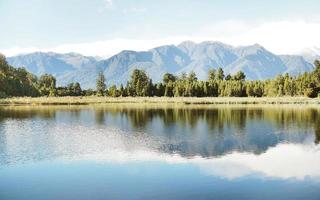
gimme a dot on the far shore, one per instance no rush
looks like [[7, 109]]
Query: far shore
[[88, 100]]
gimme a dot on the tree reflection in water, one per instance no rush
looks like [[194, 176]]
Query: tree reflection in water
[[192, 130]]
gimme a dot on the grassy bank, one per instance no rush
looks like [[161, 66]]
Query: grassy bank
[[175, 100]]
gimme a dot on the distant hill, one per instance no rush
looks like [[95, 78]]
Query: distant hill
[[254, 60], [53, 63]]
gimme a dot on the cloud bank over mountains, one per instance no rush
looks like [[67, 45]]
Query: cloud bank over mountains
[[280, 37]]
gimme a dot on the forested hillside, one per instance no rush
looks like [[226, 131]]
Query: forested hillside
[[19, 82]]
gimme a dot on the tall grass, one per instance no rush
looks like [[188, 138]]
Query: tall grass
[[164, 100]]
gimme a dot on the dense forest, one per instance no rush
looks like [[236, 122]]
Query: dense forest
[[19, 82]]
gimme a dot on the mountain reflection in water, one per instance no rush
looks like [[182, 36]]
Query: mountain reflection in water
[[205, 131], [159, 152]]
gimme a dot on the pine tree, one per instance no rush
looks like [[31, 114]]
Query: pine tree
[[101, 86], [220, 74], [239, 76], [228, 77], [212, 75]]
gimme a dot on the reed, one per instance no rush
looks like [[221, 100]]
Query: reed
[[167, 100]]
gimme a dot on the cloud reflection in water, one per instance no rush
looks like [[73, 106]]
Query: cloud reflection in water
[[72, 143]]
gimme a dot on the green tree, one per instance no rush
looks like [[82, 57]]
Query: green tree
[[212, 75], [239, 76], [112, 91], [47, 85], [228, 77], [100, 84], [139, 83], [220, 74], [74, 89], [122, 91], [192, 77], [168, 92], [168, 77]]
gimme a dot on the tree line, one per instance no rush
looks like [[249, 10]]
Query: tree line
[[217, 85], [19, 82]]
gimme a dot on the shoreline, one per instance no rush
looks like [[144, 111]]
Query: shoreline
[[90, 100]]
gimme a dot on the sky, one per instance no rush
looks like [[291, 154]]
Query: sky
[[105, 27]]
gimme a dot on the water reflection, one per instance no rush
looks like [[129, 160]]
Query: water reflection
[[205, 131], [22, 145], [182, 151], [283, 161]]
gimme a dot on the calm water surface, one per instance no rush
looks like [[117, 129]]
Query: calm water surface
[[160, 152]]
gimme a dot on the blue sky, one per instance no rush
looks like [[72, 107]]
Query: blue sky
[[71, 25]]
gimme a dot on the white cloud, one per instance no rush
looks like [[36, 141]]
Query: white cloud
[[282, 37], [99, 48], [19, 50], [108, 3], [133, 10]]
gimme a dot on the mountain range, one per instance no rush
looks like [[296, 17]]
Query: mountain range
[[254, 60]]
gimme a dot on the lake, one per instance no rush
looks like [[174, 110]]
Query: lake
[[152, 151]]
